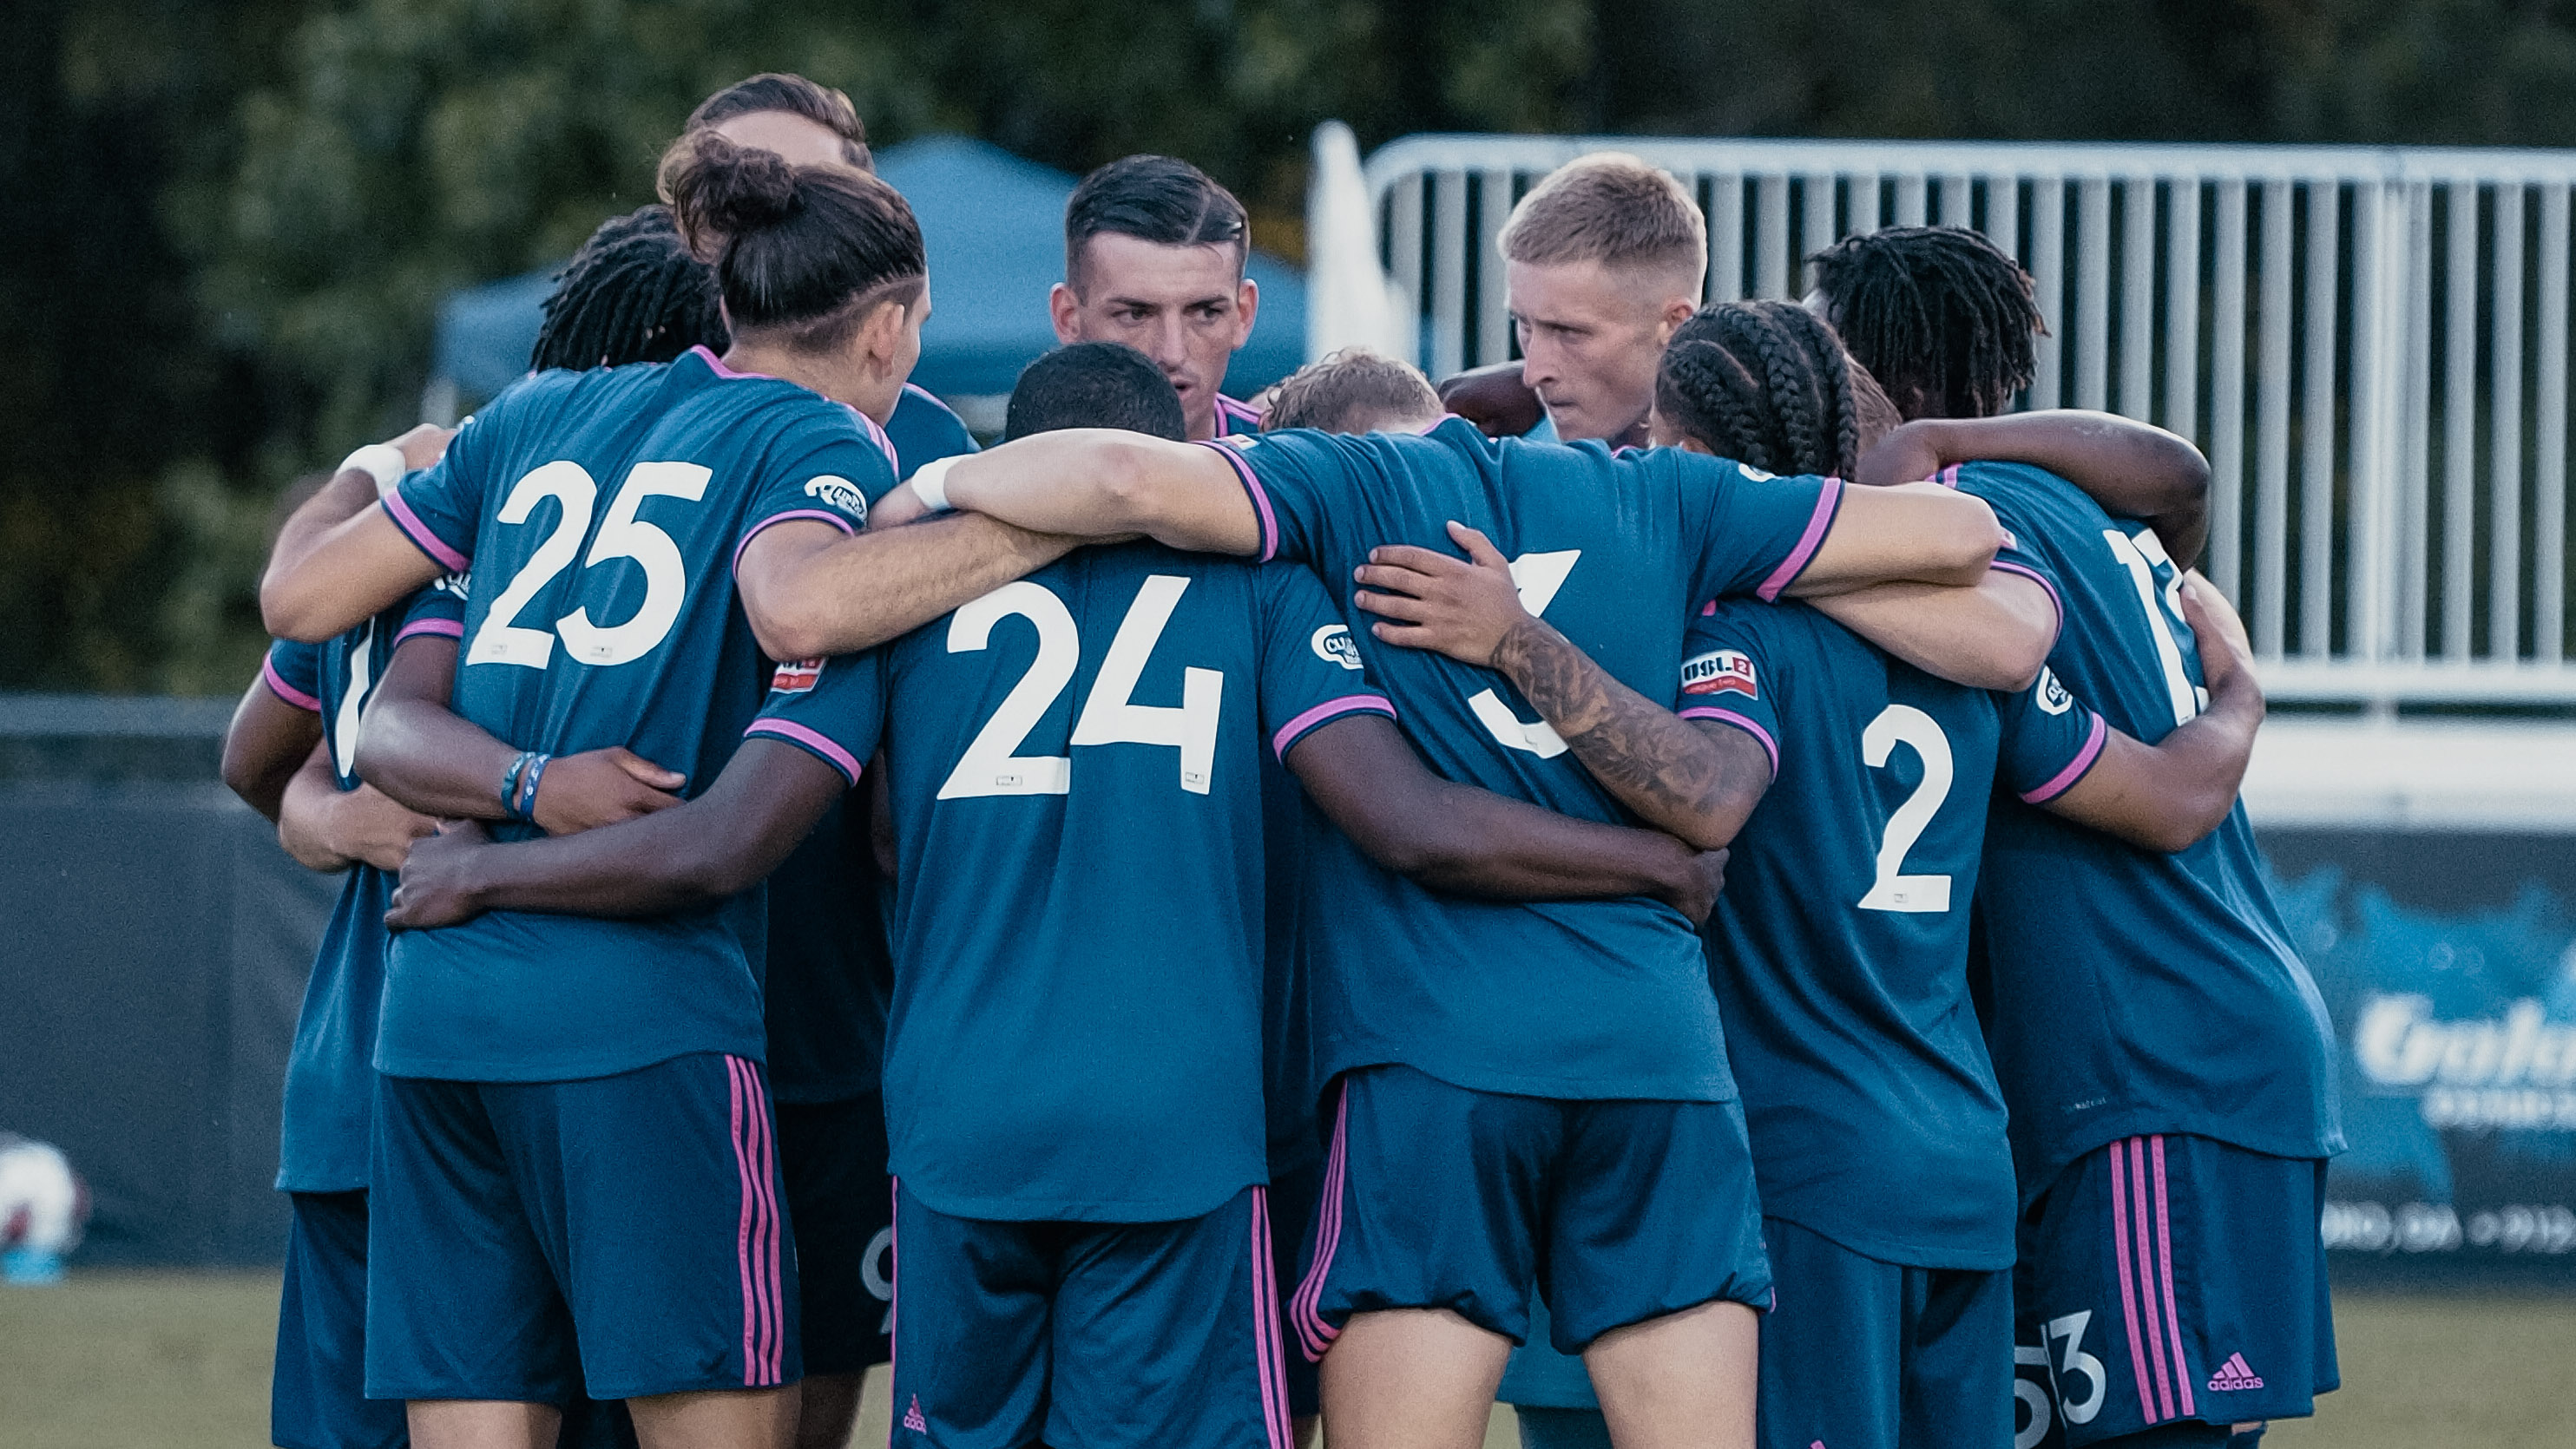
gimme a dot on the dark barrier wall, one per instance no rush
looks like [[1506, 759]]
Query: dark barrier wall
[[153, 946], [154, 942]]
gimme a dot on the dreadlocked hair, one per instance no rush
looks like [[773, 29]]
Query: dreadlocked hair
[[1940, 315], [631, 294], [1766, 384]]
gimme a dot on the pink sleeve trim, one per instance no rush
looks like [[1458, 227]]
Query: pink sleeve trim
[[1303, 724], [2036, 577], [1260, 499], [1818, 524], [840, 759], [421, 536], [2067, 777], [1770, 746], [1947, 477], [452, 628], [285, 691], [822, 515]]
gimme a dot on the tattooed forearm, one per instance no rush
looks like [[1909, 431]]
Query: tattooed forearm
[[1691, 783]]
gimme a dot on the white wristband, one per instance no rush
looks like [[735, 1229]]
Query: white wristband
[[930, 483], [380, 461]]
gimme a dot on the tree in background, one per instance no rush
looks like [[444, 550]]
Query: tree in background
[[233, 220]]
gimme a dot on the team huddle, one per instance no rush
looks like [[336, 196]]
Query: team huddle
[[1692, 881]]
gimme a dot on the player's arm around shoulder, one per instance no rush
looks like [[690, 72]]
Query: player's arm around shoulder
[[797, 757], [2169, 795], [2132, 469], [1993, 636], [1913, 532], [1098, 483], [340, 559]]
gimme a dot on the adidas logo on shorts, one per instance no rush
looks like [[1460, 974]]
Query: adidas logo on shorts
[[912, 1417], [2234, 1374]]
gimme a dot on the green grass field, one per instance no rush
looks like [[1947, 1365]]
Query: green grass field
[[133, 1360]]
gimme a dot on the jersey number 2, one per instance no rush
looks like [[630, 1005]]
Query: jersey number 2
[[992, 764], [502, 640], [1893, 890]]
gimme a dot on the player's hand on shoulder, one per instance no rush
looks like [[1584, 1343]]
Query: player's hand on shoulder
[[602, 787], [437, 880], [423, 445], [368, 824], [1696, 889], [2225, 651], [1463, 608]]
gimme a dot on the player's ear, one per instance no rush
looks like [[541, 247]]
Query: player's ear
[[1065, 308], [1247, 306]]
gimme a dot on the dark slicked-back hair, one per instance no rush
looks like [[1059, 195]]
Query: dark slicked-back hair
[[1940, 315], [796, 96], [1159, 199], [1765, 383], [1095, 385], [800, 253], [633, 293]]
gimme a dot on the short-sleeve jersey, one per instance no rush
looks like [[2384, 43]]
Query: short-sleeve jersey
[[330, 1070], [1580, 999], [923, 430], [602, 513], [829, 978], [1839, 950], [1078, 1011], [2135, 992]]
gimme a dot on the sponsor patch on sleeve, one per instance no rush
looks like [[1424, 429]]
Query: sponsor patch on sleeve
[[1333, 645], [840, 493], [798, 677], [2049, 695], [1720, 671]]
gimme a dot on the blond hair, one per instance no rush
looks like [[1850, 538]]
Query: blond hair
[[1614, 209], [1353, 391]]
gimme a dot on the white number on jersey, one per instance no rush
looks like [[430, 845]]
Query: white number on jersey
[[1893, 890], [353, 701], [503, 640], [1537, 576], [992, 764], [2141, 553]]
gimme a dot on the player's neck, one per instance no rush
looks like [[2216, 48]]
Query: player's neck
[[842, 377]]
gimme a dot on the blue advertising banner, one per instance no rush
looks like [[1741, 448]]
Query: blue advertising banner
[[2449, 963]]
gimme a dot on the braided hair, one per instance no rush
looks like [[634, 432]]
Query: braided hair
[[633, 293], [1939, 314], [1767, 384]]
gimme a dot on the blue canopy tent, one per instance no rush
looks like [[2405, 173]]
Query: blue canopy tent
[[994, 225]]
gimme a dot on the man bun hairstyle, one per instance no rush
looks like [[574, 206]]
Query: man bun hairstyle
[[802, 253], [1614, 209], [796, 96], [1353, 391], [1095, 385], [1159, 199], [1941, 315], [633, 293], [1769, 385]]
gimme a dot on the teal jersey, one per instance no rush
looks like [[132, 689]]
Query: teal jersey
[[330, 1070], [2135, 993], [602, 513], [1077, 1027], [829, 979], [1839, 950], [1565, 999]]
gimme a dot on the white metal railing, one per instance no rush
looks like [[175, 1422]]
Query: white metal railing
[[2370, 344]]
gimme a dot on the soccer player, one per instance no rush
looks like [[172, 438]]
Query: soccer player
[[1154, 254], [2161, 1045], [1354, 391], [1525, 1091], [1839, 953], [549, 1082], [1601, 261], [1074, 1080]]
